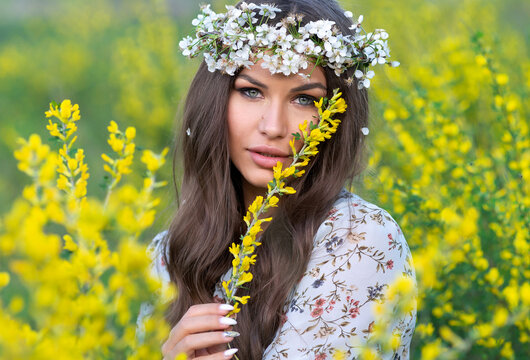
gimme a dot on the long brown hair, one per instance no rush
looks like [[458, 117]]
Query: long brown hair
[[209, 217]]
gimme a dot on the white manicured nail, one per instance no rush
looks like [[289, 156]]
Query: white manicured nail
[[231, 334], [226, 307], [228, 353], [227, 321]]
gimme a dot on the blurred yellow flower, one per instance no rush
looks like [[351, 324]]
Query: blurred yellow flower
[[154, 161]]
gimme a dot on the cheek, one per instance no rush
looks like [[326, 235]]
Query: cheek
[[239, 126], [232, 136], [232, 117], [311, 117], [236, 112]]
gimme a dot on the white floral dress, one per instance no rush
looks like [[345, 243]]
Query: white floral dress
[[358, 251]]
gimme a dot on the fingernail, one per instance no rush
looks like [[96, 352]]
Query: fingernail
[[231, 334], [226, 307], [227, 321], [228, 353]]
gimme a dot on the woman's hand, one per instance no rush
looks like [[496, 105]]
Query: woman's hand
[[201, 334]]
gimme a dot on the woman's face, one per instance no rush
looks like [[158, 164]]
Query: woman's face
[[264, 110]]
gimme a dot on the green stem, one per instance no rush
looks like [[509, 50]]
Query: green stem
[[107, 197], [110, 188]]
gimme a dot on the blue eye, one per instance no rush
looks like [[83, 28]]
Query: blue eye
[[305, 100], [250, 92]]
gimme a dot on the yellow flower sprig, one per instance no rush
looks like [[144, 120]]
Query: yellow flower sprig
[[39, 162], [135, 209], [142, 210], [73, 171], [123, 145], [312, 135], [146, 203]]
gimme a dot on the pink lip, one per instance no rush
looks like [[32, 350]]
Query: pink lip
[[267, 161]]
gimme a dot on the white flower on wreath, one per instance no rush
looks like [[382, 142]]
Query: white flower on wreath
[[271, 63], [292, 62], [233, 13], [269, 10], [321, 28], [245, 6], [283, 39], [364, 79], [289, 20], [242, 57], [357, 27], [185, 46], [210, 62]]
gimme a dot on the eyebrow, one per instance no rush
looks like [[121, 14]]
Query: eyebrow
[[309, 86], [315, 85]]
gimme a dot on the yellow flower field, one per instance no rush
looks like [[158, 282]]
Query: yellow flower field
[[449, 159]]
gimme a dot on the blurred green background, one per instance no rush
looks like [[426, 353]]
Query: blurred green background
[[119, 60]]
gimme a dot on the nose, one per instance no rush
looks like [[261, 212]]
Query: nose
[[274, 120]]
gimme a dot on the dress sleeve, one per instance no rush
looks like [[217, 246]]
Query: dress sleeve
[[158, 271], [358, 252]]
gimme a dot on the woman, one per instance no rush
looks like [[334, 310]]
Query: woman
[[328, 255]]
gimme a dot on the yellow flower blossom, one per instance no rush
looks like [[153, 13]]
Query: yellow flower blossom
[[154, 161], [69, 243], [507, 351], [234, 249], [511, 294], [113, 127], [273, 201], [339, 355], [106, 158], [130, 133], [244, 278], [115, 143], [502, 79], [227, 290], [247, 241], [255, 206], [4, 279], [431, 351]]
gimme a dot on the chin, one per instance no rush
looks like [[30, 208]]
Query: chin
[[261, 180]]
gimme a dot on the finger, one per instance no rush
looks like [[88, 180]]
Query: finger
[[215, 349], [180, 330], [209, 309], [178, 356], [196, 325], [193, 342], [227, 354]]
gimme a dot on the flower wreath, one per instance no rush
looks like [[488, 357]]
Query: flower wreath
[[241, 37]]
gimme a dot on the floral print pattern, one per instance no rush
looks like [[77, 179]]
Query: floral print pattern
[[358, 252]]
